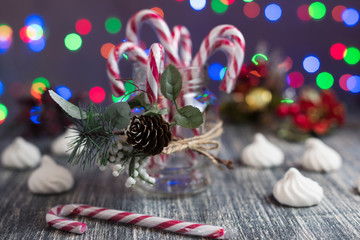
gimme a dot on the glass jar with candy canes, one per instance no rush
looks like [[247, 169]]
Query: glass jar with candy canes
[[168, 146]]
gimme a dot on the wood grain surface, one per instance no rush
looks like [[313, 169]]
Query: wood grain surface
[[240, 200]]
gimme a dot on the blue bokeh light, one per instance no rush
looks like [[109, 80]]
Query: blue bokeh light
[[64, 92], [273, 12], [350, 17], [198, 5], [4, 46], [214, 71], [37, 45], [1, 88], [34, 19], [222, 73], [353, 84], [311, 64], [35, 114]]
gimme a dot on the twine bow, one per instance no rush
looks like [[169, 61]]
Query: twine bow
[[201, 144]]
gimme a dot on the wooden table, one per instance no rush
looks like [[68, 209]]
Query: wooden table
[[240, 199]]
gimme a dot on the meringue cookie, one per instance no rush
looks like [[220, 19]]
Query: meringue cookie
[[262, 153], [50, 178], [60, 145], [297, 191], [21, 154], [319, 157]]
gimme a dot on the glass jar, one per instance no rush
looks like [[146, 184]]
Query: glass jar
[[186, 172]]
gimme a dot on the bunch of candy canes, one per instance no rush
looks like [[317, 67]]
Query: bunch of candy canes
[[176, 46]]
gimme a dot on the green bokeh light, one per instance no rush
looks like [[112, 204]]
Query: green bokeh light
[[352, 56], [113, 25], [324, 80], [317, 10], [73, 41], [3, 112], [43, 81], [248, 1], [129, 86], [218, 7]]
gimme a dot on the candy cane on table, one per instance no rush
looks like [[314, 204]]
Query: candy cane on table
[[161, 29], [235, 58], [182, 42], [226, 32], [134, 52], [55, 218]]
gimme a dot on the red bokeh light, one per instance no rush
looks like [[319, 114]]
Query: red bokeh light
[[343, 81], [23, 34], [338, 51], [83, 26], [251, 9], [105, 49], [337, 12], [97, 94], [227, 2], [158, 11], [295, 79], [303, 12]]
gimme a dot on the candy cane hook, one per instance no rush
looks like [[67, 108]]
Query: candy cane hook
[[55, 218]]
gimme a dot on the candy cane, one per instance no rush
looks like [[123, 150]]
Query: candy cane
[[155, 67], [182, 42], [161, 28], [55, 215], [134, 52], [235, 57], [227, 33]]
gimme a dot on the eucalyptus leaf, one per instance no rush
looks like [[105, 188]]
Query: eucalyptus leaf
[[138, 101], [189, 117], [171, 82], [68, 107], [154, 111], [119, 114]]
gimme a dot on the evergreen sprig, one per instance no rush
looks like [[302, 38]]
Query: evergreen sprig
[[94, 138]]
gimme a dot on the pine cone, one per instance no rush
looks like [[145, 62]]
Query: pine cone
[[148, 134]]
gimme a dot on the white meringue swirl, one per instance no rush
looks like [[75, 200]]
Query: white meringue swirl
[[21, 154], [297, 191], [50, 178], [319, 157], [262, 153], [60, 145]]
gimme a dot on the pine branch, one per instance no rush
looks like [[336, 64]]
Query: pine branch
[[94, 139]]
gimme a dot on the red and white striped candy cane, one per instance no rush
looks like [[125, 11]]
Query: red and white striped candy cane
[[182, 42], [55, 218], [226, 32], [155, 67], [134, 52], [235, 57], [161, 29]]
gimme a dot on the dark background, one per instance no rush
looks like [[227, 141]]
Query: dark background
[[83, 69]]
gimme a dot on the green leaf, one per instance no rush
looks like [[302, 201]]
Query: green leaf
[[68, 107], [138, 101], [154, 111], [189, 117], [171, 83], [119, 114]]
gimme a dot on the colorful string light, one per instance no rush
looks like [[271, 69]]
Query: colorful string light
[[259, 56], [295, 79], [64, 92], [352, 56], [311, 64], [338, 51], [350, 17], [218, 6], [113, 25], [317, 10], [158, 11], [214, 71], [73, 42], [324, 80], [251, 9], [35, 114], [337, 12], [3, 113], [1, 88], [353, 84], [106, 49], [273, 12], [197, 5], [5, 38], [97, 94], [303, 12], [83, 26], [343, 81]]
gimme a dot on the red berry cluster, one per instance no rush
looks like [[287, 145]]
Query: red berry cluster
[[317, 114]]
